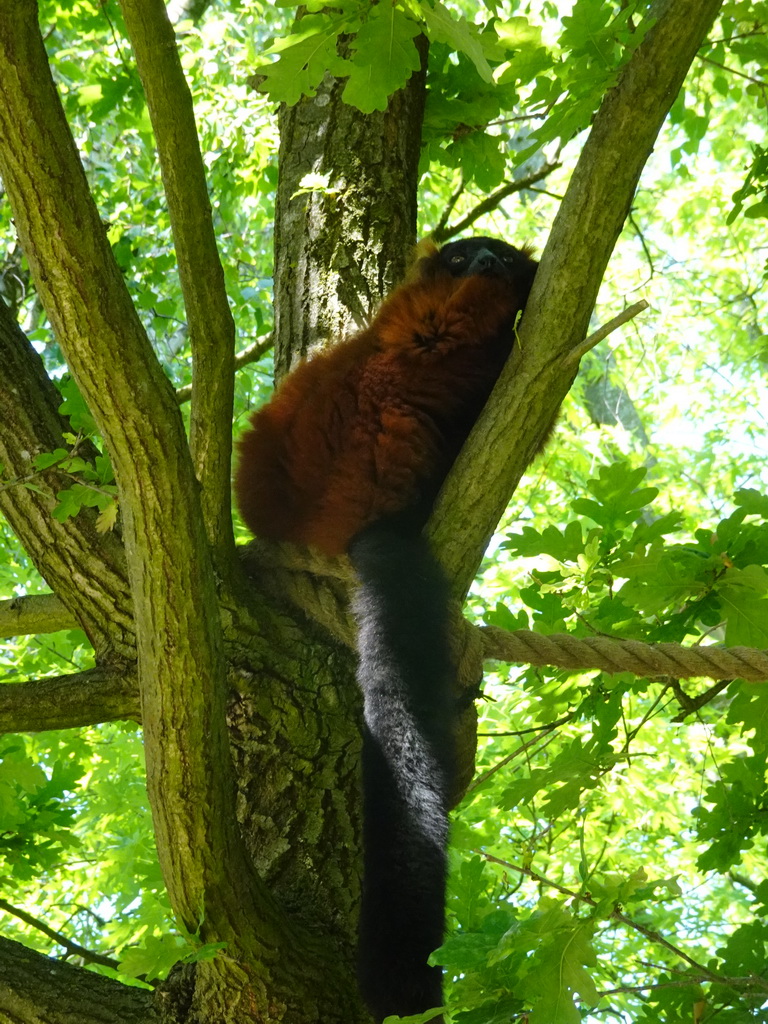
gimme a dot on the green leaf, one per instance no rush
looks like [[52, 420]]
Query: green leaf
[[153, 958], [618, 499], [473, 949], [417, 1018], [550, 610], [105, 472], [743, 595], [530, 59], [385, 57], [47, 459], [557, 971], [107, 518], [749, 709], [445, 27], [757, 209], [646, 533], [501, 616], [75, 408], [304, 56], [483, 162], [18, 770], [517, 33], [752, 501], [501, 1010], [663, 576], [467, 889], [71, 500], [562, 545], [743, 953]]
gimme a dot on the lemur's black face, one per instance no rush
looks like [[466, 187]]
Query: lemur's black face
[[489, 257]]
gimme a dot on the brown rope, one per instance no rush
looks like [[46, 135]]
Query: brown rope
[[565, 651], [319, 584]]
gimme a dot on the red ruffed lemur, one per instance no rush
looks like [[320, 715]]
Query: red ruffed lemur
[[348, 456]]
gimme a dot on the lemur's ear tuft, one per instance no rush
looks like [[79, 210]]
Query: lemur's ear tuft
[[426, 247], [423, 253]]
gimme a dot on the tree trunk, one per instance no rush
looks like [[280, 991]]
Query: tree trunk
[[341, 246], [285, 905]]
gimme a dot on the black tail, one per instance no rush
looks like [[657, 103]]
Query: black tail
[[406, 675]]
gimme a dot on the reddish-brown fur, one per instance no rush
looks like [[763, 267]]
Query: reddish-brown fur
[[372, 425], [352, 437]]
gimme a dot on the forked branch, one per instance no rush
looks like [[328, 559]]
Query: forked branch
[[182, 668]]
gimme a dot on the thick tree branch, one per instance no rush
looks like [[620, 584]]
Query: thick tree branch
[[71, 701], [538, 375], [38, 613], [85, 568], [101, 695], [181, 660], [211, 327], [35, 989], [251, 354]]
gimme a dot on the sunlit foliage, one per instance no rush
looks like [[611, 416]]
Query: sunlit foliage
[[609, 859]]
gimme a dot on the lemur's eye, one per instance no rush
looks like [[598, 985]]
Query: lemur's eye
[[509, 257], [457, 258]]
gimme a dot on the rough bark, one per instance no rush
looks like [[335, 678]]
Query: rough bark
[[338, 252], [37, 990], [181, 660], [37, 613], [66, 702], [85, 569], [538, 374], [294, 723], [209, 319]]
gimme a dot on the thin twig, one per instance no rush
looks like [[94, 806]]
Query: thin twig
[[616, 915], [683, 983], [645, 249], [545, 731], [733, 71], [690, 704], [448, 210], [736, 35], [72, 948], [605, 330], [251, 354], [71, 454], [493, 200], [92, 487]]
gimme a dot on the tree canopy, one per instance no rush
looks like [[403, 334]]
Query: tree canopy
[[178, 795]]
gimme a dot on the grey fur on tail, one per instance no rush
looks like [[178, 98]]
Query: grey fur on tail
[[406, 676]]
